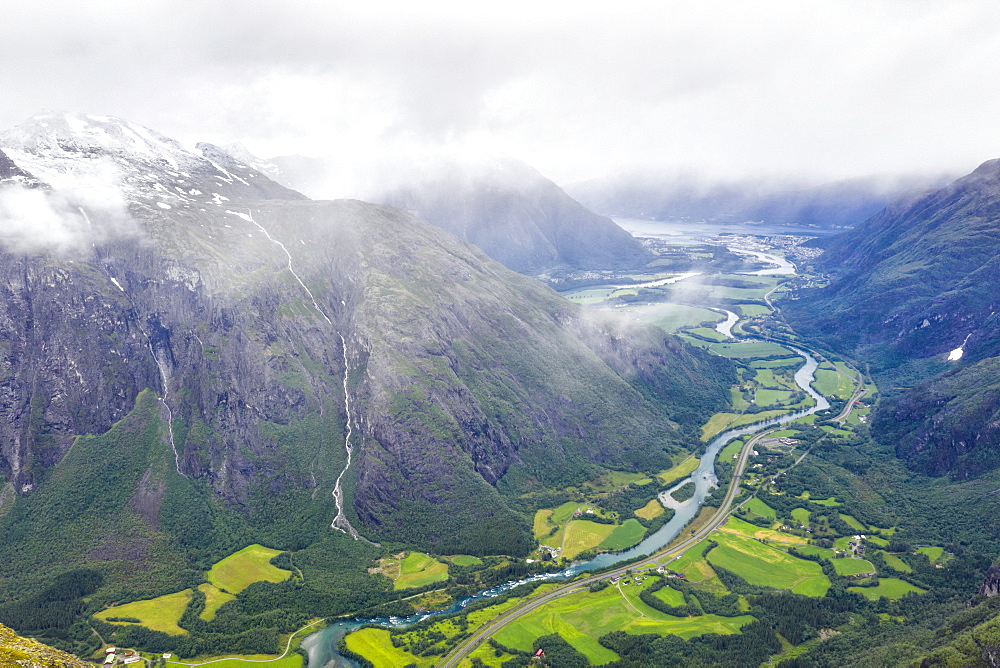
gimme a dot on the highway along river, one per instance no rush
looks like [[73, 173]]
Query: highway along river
[[322, 645]]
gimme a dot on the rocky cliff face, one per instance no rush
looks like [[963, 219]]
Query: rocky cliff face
[[28, 653], [272, 328]]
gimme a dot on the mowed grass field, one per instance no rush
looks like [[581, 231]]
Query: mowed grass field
[[737, 526], [652, 509], [584, 617], [626, 535], [672, 317], [465, 560], [376, 646], [215, 598], [682, 470], [241, 569], [758, 507], [721, 421], [158, 614], [833, 383], [418, 569], [584, 535], [762, 565], [888, 587], [850, 566]]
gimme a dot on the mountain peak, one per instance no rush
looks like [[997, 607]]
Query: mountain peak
[[72, 151]]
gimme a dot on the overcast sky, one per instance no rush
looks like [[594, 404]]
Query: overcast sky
[[578, 89]]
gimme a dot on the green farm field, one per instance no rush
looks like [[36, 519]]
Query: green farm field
[[749, 349], [888, 587], [850, 566], [583, 617], [650, 510], [833, 383], [672, 317], [737, 526], [241, 569], [624, 536], [758, 507], [767, 566], [682, 470], [158, 614], [418, 569], [214, 599], [584, 535]]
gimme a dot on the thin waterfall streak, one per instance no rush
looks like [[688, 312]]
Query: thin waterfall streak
[[340, 522]]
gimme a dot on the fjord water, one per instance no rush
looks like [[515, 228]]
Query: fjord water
[[322, 645]]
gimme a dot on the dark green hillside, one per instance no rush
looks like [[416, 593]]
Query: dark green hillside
[[912, 284]]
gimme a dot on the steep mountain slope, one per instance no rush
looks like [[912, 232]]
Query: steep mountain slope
[[28, 653], [518, 217], [506, 208], [314, 362], [917, 282], [826, 206]]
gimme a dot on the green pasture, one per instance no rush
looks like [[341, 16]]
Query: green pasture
[[215, 598], [727, 453], [672, 317], [682, 470], [738, 526], [748, 349], [652, 509], [670, 596], [582, 535], [241, 569], [767, 397], [851, 566], [894, 561], [801, 515], [752, 310], [933, 553], [767, 566], [262, 660], [418, 569], [583, 617], [158, 614], [790, 362], [824, 552], [706, 333], [853, 523], [376, 646], [465, 560], [565, 511], [889, 587], [542, 527], [833, 383], [758, 507], [624, 536]]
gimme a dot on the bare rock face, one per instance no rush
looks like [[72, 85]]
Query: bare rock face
[[29, 653], [990, 585]]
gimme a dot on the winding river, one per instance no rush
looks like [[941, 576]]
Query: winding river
[[322, 645]]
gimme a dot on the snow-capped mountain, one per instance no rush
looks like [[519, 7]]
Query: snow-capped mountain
[[71, 151]]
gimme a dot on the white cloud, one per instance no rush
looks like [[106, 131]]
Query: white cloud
[[578, 89]]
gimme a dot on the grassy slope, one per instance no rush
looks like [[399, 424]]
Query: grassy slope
[[159, 614], [240, 570], [762, 565], [419, 569]]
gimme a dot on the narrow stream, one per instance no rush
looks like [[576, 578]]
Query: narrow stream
[[322, 645]]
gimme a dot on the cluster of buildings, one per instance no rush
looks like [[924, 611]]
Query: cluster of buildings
[[114, 656]]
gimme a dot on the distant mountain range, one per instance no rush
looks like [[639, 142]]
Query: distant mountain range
[[824, 206], [505, 207], [254, 366], [912, 286]]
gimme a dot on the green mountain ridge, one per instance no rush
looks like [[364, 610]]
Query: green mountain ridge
[[223, 331], [916, 282]]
